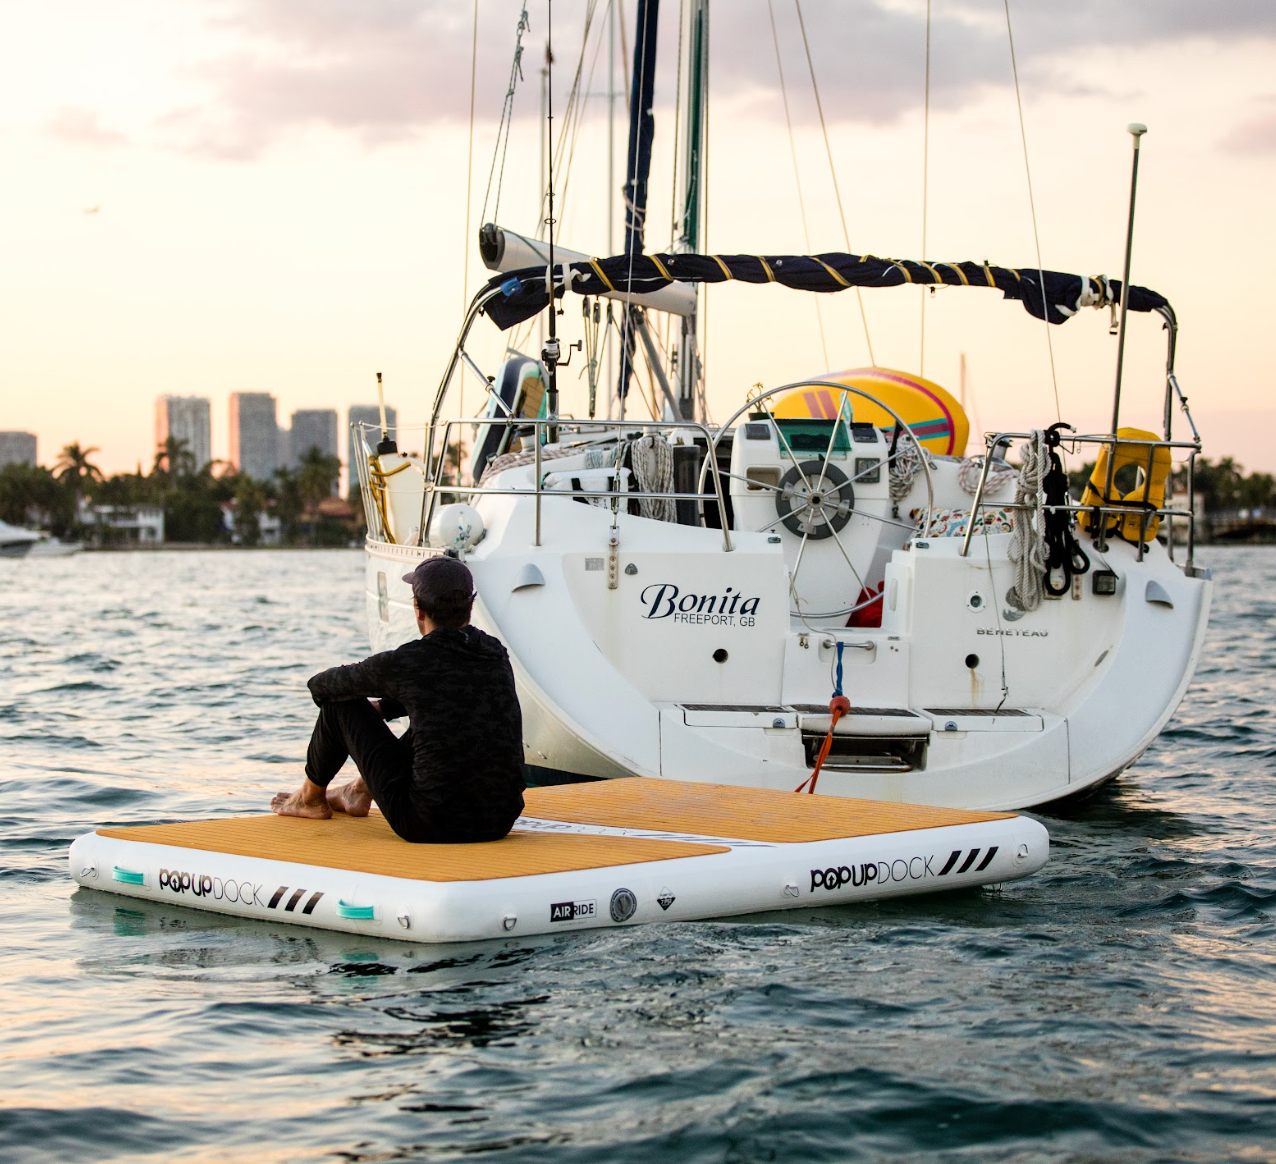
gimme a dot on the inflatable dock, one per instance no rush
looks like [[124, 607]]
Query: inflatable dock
[[583, 856]]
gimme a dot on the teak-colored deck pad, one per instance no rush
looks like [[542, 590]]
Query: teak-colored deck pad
[[368, 845], [745, 814]]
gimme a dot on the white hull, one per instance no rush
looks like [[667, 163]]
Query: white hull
[[611, 687], [16, 542]]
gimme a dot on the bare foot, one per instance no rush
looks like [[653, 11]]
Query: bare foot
[[308, 801], [353, 799]]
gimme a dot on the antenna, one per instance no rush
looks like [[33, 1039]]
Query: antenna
[[386, 444], [1136, 130], [551, 351]]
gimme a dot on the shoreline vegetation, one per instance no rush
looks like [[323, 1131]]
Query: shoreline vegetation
[[217, 506], [178, 504]]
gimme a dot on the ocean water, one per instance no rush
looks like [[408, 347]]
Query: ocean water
[[1120, 1005]]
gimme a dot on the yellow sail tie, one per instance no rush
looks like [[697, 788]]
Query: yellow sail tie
[[599, 272], [832, 272]]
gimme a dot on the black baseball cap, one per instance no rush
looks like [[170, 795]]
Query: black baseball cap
[[439, 576]]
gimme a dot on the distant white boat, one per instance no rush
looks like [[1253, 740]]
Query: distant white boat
[[16, 542]]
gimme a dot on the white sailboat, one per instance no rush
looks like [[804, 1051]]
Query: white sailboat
[[807, 591]]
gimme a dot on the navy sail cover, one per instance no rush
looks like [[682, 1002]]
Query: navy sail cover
[[1051, 295]]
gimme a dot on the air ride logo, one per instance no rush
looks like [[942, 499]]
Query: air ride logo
[[730, 608], [569, 911]]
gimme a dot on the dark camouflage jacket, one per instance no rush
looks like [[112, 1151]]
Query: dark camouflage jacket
[[457, 688]]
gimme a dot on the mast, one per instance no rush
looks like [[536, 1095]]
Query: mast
[[693, 198], [642, 128]]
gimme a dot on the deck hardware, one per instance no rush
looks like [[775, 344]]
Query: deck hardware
[[89, 871], [1021, 853], [529, 575], [804, 641], [975, 601], [921, 545], [1076, 587], [774, 540], [613, 558], [356, 912], [1104, 582], [509, 921], [972, 661], [128, 876], [631, 569], [383, 597], [791, 889], [778, 723], [866, 645], [405, 920], [950, 725]]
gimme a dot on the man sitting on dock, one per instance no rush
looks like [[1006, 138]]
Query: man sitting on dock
[[457, 773]]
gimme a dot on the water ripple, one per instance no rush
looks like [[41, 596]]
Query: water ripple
[[1121, 1005]]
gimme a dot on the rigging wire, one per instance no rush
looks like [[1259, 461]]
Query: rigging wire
[[579, 118], [675, 218], [1032, 206], [701, 372], [921, 358], [507, 118], [819, 105], [560, 153], [624, 45], [797, 175], [465, 267]]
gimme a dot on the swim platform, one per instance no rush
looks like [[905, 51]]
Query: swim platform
[[583, 856]]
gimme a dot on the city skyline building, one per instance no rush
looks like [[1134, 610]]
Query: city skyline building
[[363, 414], [17, 448], [254, 434], [189, 419], [313, 428]]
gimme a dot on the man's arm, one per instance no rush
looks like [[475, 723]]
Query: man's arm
[[353, 681]]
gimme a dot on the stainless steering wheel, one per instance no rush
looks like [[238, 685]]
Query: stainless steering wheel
[[814, 497]]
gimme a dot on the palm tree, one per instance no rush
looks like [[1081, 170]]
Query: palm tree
[[174, 458], [250, 503], [73, 468], [317, 476]]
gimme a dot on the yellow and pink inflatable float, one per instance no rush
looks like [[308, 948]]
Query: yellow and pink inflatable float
[[931, 412]]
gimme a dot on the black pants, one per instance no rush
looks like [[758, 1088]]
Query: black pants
[[351, 729]]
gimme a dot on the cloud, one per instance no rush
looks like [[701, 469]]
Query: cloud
[[381, 70], [388, 69], [1255, 134], [81, 126]]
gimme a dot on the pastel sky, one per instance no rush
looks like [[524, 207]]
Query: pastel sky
[[205, 196]]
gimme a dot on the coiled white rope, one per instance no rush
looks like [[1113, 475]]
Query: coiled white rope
[[1028, 535], [905, 464], [652, 459], [969, 473]]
